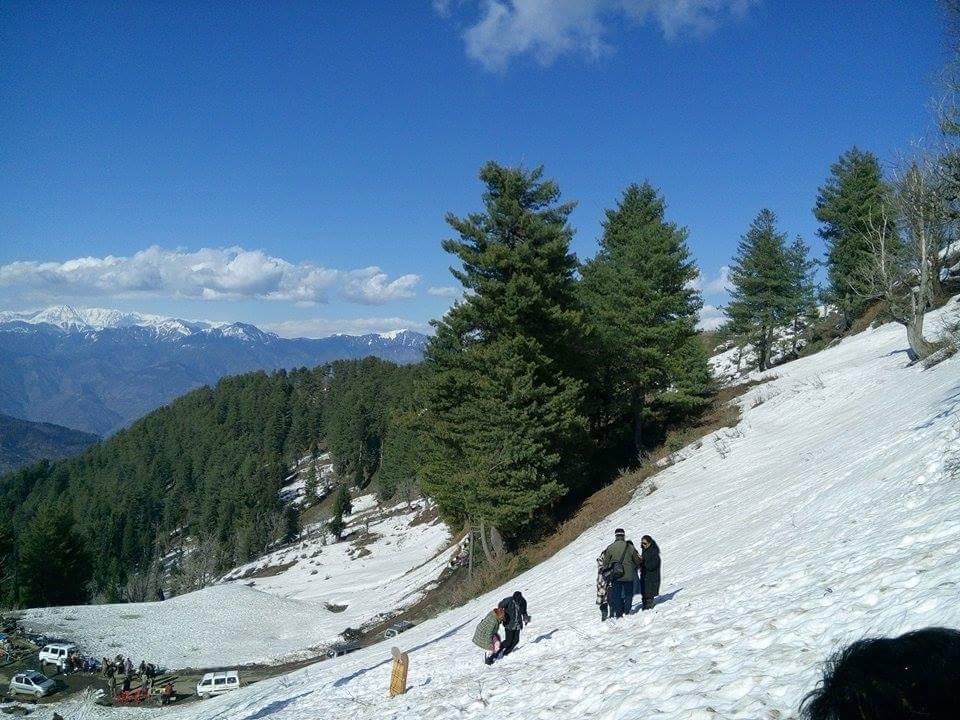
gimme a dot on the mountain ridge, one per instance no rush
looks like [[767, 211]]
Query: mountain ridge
[[98, 370], [23, 442]]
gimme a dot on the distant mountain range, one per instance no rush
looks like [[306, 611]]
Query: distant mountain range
[[23, 442], [97, 370]]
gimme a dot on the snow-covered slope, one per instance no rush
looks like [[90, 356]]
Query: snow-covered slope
[[276, 608], [831, 512]]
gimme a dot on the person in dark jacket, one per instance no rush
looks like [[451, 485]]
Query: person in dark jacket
[[649, 572], [621, 552], [515, 616]]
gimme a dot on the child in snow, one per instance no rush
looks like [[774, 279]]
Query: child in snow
[[486, 637], [603, 588]]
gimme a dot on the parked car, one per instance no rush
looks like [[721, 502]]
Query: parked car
[[31, 682], [216, 683], [56, 653], [342, 649], [398, 627]]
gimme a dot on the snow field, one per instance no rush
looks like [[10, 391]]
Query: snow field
[[262, 620], [830, 513]]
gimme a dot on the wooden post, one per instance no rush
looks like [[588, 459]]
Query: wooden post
[[398, 678]]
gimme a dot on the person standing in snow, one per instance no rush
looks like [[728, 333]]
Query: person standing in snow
[[515, 609], [603, 588], [620, 561], [649, 572], [486, 638]]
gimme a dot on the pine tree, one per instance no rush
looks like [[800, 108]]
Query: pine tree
[[312, 483], [642, 307], [760, 300], [336, 525], [503, 426], [803, 296], [848, 207], [342, 505], [53, 565], [401, 460]]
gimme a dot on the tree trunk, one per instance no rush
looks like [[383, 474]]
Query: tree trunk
[[919, 347], [483, 542], [470, 561], [496, 539], [638, 406]]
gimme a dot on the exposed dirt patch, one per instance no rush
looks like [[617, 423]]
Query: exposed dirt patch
[[265, 572]]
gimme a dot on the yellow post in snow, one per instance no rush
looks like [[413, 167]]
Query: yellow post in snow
[[398, 678]]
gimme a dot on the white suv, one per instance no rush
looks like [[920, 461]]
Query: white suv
[[215, 683], [57, 654], [30, 682]]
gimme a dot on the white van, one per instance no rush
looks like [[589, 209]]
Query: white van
[[215, 683], [56, 653]]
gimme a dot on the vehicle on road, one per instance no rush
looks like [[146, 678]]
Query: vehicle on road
[[398, 627], [31, 682], [56, 653], [342, 649], [216, 683]]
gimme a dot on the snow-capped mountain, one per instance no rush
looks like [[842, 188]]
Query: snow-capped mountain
[[69, 318], [96, 369]]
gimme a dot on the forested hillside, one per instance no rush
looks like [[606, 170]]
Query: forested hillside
[[23, 442], [203, 472]]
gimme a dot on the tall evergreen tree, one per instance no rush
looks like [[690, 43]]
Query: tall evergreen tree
[[803, 296], [642, 307], [53, 565], [848, 207], [762, 293], [504, 426]]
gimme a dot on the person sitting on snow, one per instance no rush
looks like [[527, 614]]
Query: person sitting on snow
[[911, 677], [486, 637]]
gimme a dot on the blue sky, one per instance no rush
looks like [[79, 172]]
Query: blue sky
[[290, 164]]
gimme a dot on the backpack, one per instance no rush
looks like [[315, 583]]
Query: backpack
[[616, 570]]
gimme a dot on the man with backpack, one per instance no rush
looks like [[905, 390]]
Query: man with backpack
[[621, 561]]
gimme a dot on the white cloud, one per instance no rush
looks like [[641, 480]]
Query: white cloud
[[711, 318], [230, 273], [323, 327], [446, 291], [549, 28], [372, 286], [716, 285]]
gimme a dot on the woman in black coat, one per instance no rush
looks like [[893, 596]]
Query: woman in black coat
[[649, 571]]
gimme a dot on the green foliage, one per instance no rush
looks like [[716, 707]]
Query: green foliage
[[210, 464], [849, 210], [504, 432], [803, 289], [342, 505], [401, 456], [53, 566], [762, 293], [336, 525], [646, 359], [361, 394]]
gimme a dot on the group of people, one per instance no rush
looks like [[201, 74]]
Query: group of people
[[512, 614], [623, 571], [123, 667]]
